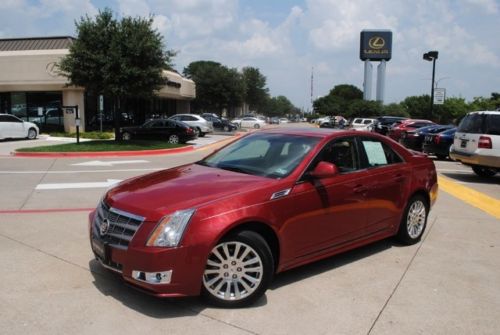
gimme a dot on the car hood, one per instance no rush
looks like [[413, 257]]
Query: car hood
[[191, 186]]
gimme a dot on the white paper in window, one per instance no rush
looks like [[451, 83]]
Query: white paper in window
[[375, 153]]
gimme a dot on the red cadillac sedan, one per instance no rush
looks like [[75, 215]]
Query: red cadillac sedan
[[268, 202]]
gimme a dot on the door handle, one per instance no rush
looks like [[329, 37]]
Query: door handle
[[360, 189]]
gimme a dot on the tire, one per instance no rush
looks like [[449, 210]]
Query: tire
[[482, 171], [226, 128], [173, 139], [235, 284], [256, 126], [32, 133], [441, 157], [126, 136], [200, 133], [414, 220]]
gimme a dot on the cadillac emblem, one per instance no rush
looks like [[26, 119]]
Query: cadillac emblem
[[104, 227]]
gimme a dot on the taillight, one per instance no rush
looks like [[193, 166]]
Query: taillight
[[484, 142], [189, 130], [437, 139]]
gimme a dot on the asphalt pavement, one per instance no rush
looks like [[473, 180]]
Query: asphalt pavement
[[449, 283]]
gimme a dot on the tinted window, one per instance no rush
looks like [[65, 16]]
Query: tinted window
[[378, 153], [342, 153], [492, 124], [471, 123], [9, 118]]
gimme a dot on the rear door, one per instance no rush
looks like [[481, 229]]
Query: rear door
[[14, 127], [389, 178]]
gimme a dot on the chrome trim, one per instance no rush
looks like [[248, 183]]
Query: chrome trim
[[152, 277], [107, 266], [130, 215], [281, 194]]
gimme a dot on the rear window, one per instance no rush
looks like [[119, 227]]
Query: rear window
[[472, 123]]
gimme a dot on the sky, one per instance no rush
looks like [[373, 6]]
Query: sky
[[289, 40]]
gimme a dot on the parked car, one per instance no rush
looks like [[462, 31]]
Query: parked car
[[268, 202], [274, 120], [439, 144], [13, 127], [220, 123], [382, 124], [396, 130], [362, 124], [283, 120], [198, 123], [160, 129], [249, 122], [414, 139], [477, 142]]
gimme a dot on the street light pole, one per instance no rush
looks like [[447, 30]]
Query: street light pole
[[432, 56]]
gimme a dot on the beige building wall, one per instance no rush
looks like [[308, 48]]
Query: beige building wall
[[36, 70]]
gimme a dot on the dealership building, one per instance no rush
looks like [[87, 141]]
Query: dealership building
[[31, 89]]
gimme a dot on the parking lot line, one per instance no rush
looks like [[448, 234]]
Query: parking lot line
[[477, 199], [50, 210]]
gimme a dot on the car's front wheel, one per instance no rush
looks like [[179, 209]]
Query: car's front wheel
[[173, 139], [484, 171], [32, 133], [238, 270], [414, 220], [256, 126]]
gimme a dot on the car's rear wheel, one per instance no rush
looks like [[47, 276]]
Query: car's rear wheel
[[173, 139], [226, 128], [256, 126], [414, 220], [441, 157], [484, 171], [238, 271], [126, 136], [32, 133]]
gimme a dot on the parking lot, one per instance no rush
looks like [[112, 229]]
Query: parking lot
[[447, 284]]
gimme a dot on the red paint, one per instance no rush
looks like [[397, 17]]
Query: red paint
[[317, 219], [407, 125]]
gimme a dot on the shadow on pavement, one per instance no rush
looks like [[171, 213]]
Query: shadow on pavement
[[472, 178]]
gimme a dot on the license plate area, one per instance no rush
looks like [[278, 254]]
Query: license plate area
[[463, 144], [101, 250]]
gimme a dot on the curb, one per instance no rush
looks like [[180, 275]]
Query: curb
[[104, 153]]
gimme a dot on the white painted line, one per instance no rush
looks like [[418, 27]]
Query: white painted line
[[109, 163], [61, 186], [80, 171]]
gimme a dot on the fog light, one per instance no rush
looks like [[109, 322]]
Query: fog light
[[162, 277]]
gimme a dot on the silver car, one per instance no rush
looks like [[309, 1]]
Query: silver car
[[477, 142], [199, 124]]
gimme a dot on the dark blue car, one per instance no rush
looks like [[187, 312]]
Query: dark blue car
[[414, 139], [439, 144]]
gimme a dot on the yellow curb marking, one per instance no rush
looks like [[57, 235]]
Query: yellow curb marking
[[477, 199]]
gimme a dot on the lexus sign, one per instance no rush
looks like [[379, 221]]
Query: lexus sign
[[375, 45]]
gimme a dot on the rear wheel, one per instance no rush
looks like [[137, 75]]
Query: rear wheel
[[256, 126], [238, 271], [441, 157], [173, 139], [414, 220], [32, 133], [226, 128], [484, 171]]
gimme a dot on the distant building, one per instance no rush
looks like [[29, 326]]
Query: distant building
[[31, 89]]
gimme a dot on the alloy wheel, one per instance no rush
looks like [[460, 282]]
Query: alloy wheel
[[173, 139], [234, 271], [415, 219]]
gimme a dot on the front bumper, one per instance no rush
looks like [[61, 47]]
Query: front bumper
[[475, 159], [161, 272]]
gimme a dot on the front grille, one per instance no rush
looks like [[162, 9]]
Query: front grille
[[121, 226]]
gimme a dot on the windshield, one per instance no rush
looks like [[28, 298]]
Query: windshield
[[266, 155]]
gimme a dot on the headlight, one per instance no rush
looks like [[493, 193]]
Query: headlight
[[170, 228]]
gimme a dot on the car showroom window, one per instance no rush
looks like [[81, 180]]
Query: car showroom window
[[378, 153]]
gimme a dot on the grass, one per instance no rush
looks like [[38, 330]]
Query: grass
[[93, 135], [96, 146]]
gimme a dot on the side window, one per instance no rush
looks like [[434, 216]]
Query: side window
[[378, 153], [492, 124], [157, 124], [342, 153]]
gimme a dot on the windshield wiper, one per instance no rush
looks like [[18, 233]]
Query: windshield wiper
[[234, 169]]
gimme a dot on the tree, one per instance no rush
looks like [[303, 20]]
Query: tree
[[363, 108], [417, 106], [279, 106], [217, 87], [338, 100], [256, 92], [120, 59]]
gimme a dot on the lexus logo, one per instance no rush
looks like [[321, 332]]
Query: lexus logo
[[104, 227], [52, 69], [376, 42]]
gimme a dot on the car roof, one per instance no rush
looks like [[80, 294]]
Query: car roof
[[485, 112], [316, 132]]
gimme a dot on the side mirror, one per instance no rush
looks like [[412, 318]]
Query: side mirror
[[324, 170]]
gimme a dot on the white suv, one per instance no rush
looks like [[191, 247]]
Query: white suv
[[362, 124], [477, 142], [198, 123]]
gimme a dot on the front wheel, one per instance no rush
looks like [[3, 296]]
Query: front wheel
[[239, 269], [482, 171], [32, 133], [414, 220], [256, 126], [126, 136]]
